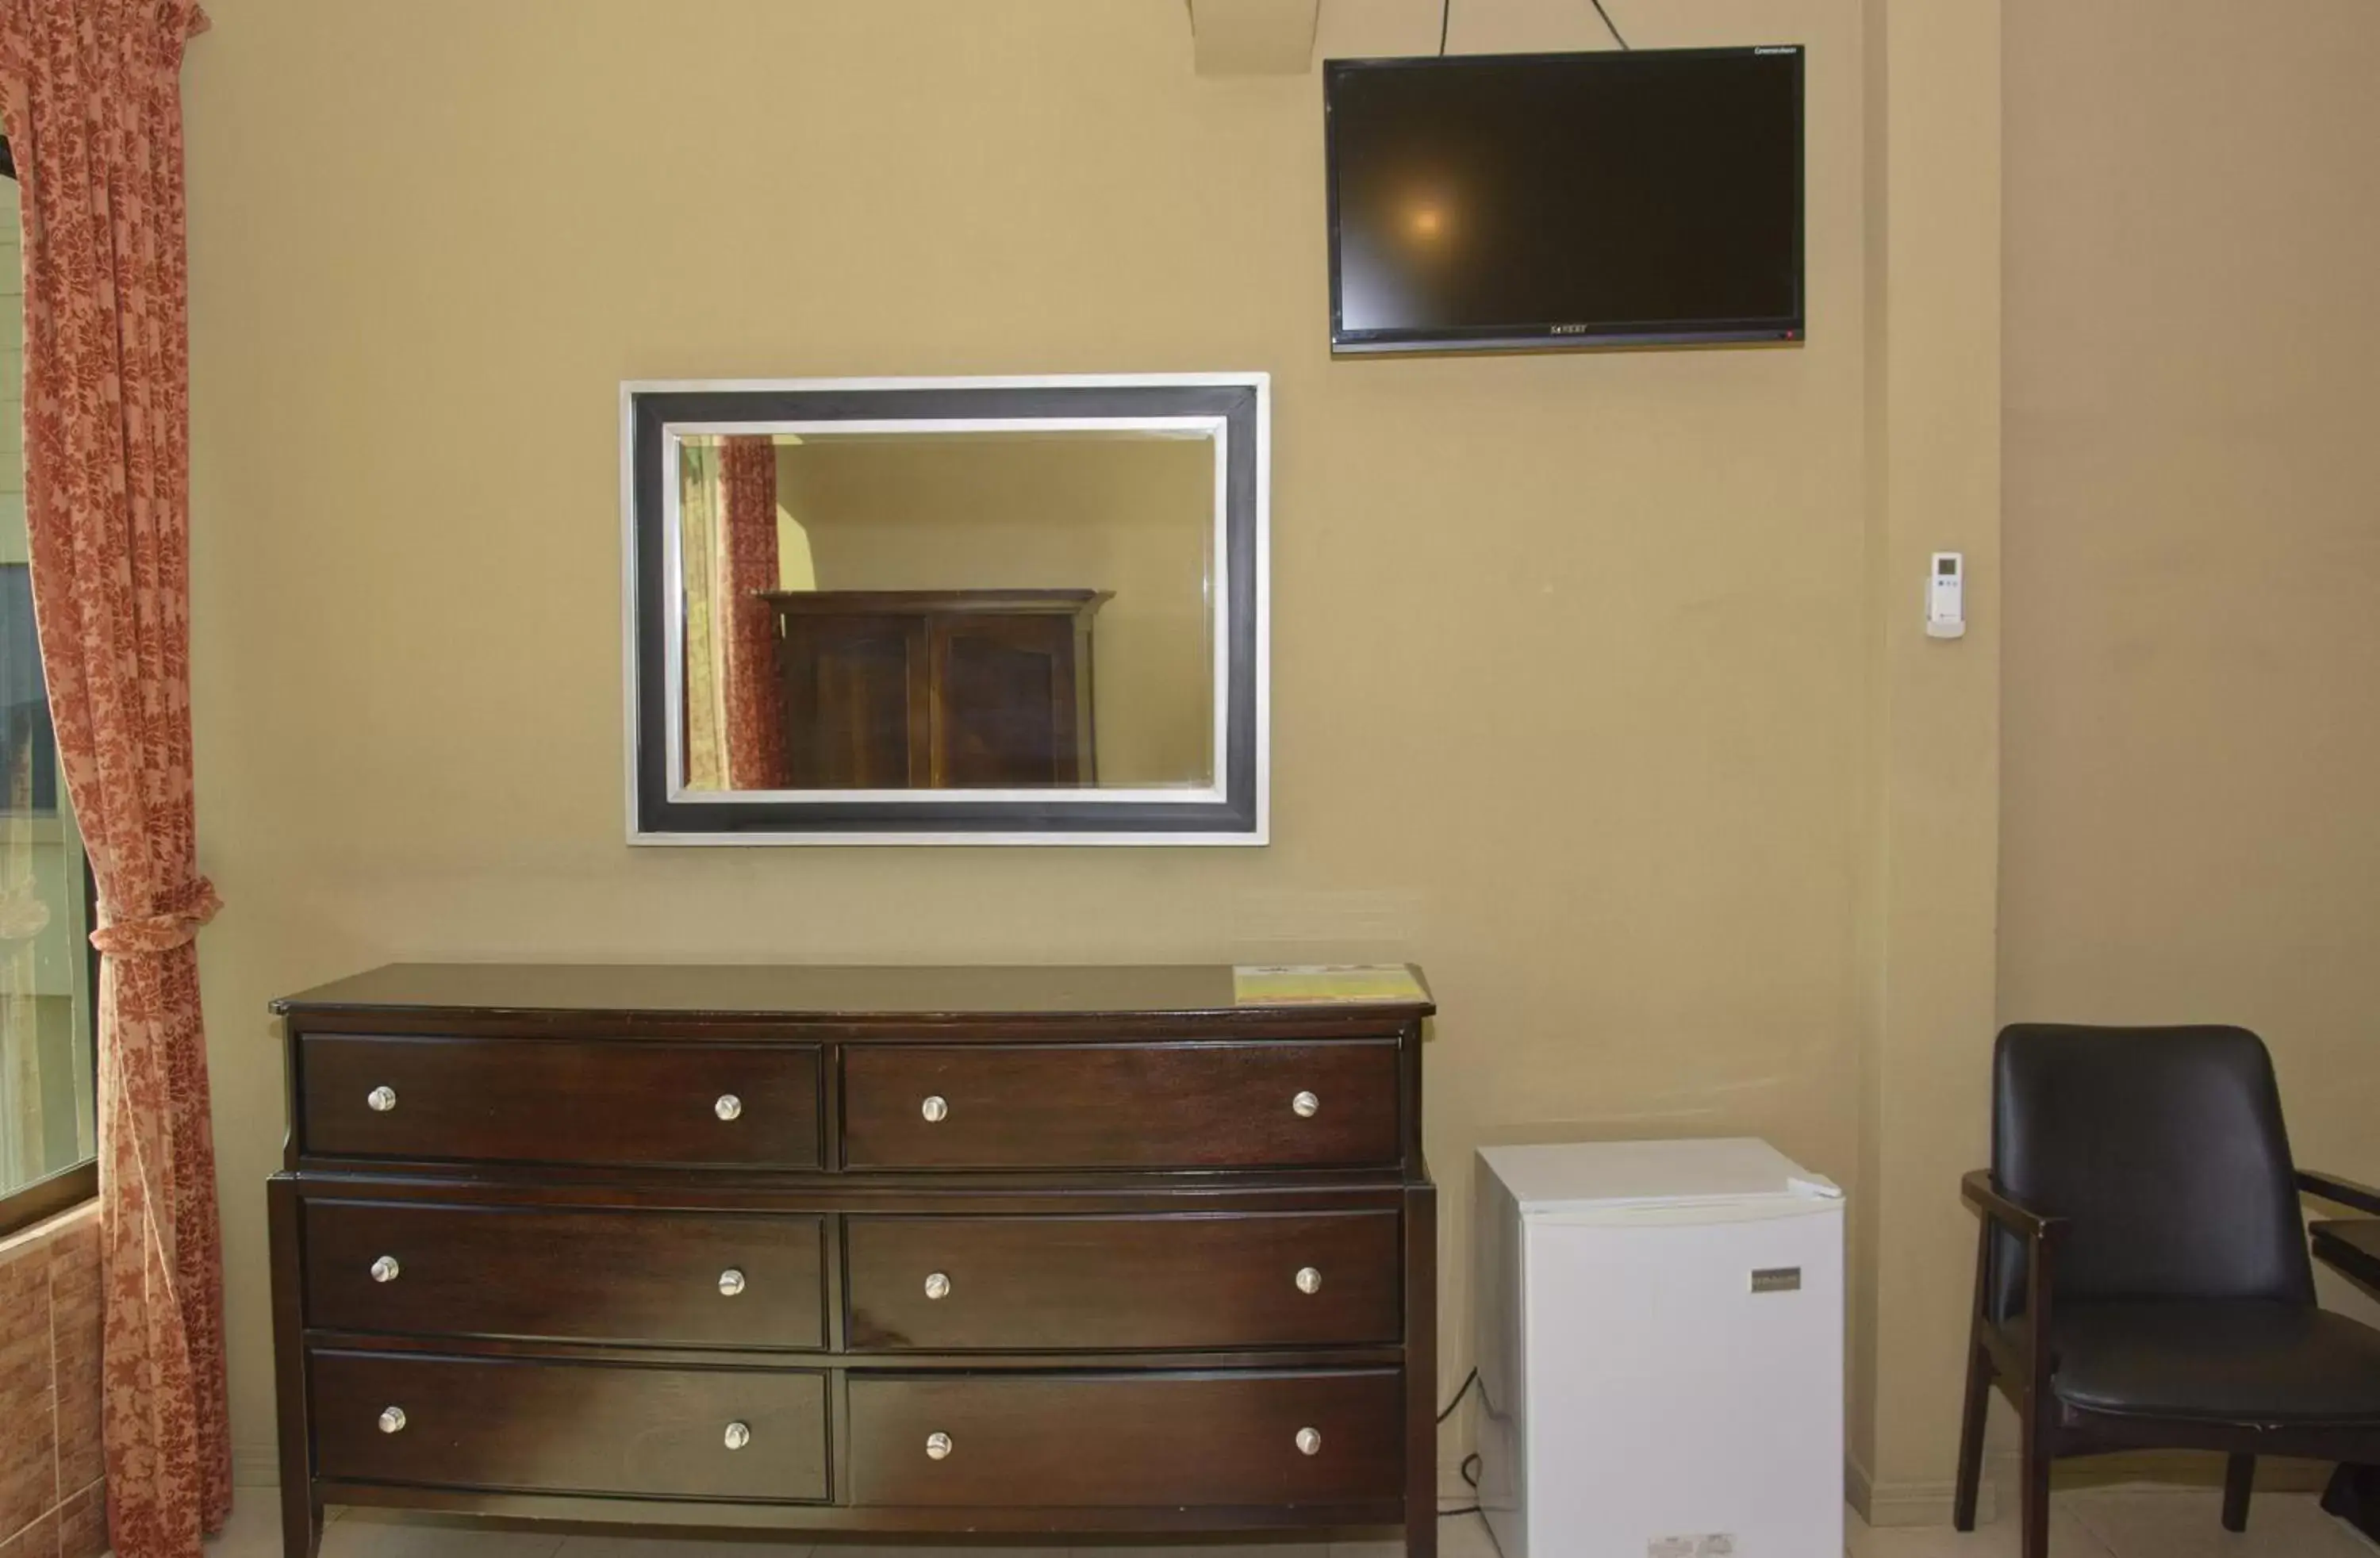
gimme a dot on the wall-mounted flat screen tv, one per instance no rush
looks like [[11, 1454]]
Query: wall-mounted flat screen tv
[[1499, 201]]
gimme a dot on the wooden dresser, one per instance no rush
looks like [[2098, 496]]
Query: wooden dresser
[[922, 1250]]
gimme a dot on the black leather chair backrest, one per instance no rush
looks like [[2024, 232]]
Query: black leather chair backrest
[[2164, 1148]]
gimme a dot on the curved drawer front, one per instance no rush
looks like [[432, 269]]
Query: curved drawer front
[[548, 1425], [1065, 1284], [1116, 1440], [688, 1278], [561, 1101], [1121, 1106]]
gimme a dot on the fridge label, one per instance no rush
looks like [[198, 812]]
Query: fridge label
[[1777, 1279]]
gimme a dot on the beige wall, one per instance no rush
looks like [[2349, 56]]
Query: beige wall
[[1572, 697], [1595, 690], [1928, 856], [2193, 534], [2188, 828], [1134, 517]]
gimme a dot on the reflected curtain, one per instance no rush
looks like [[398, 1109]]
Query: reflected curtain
[[90, 91], [706, 759], [755, 738]]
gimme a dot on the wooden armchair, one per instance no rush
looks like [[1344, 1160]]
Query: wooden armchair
[[2141, 1274]]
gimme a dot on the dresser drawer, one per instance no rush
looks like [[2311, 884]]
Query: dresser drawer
[[1107, 1441], [560, 1100], [548, 1425], [1140, 1106], [690, 1278], [1065, 1284]]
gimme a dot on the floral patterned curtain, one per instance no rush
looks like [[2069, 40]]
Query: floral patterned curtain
[[91, 92], [756, 751]]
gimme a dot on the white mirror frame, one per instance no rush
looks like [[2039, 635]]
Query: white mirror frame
[[1234, 409]]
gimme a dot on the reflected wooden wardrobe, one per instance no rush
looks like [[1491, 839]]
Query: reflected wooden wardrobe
[[892, 689]]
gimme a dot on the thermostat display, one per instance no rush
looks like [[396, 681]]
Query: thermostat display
[[1946, 597]]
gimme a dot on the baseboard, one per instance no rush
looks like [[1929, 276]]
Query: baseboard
[[256, 1465], [1911, 1503], [2174, 1469], [1928, 1504]]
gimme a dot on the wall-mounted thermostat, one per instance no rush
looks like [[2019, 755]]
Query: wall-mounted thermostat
[[1946, 597]]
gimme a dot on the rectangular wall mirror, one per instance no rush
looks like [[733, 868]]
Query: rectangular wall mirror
[[962, 611]]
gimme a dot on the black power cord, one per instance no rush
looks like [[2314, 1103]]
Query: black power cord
[[1459, 1392], [1471, 1463]]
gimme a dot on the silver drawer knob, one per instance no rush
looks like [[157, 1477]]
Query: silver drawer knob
[[738, 1435], [382, 1100], [1305, 1105], [385, 1269], [731, 1283], [728, 1107], [1309, 1280], [1310, 1441], [938, 1446], [391, 1419], [936, 1109], [938, 1287]]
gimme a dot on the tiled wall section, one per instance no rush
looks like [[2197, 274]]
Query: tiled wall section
[[51, 1502]]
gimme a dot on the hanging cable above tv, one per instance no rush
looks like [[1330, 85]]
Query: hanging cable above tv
[[1446, 10], [1607, 22]]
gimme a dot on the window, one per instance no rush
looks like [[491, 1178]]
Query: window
[[48, 1124]]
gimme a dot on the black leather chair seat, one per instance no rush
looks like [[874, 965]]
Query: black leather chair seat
[[2220, 1360]]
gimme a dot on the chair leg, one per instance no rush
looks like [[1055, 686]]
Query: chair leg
[[1971, 1434], [2034, 1500], [2238, 1482]]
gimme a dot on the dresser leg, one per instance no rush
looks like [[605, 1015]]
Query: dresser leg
[[1421, 1372], [301, 1509], [301, 1523]]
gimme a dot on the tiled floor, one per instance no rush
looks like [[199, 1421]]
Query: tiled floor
[[2098, 1523], [2141, 1523]]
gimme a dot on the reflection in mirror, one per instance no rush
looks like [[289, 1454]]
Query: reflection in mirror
[[947, 609]]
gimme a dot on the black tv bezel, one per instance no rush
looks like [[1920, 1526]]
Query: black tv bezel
[[1575, 334]]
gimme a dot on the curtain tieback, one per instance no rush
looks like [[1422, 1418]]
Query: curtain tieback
[[178, 914]]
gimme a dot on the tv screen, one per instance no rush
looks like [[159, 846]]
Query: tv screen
[[1510, 201]]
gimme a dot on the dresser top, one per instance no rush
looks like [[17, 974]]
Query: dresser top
[[803, 990]]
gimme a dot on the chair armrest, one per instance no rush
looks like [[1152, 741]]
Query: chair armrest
[[1978, 1191], [2341, 1192]]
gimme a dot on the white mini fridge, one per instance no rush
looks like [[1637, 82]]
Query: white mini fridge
[[1660, 1347]]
